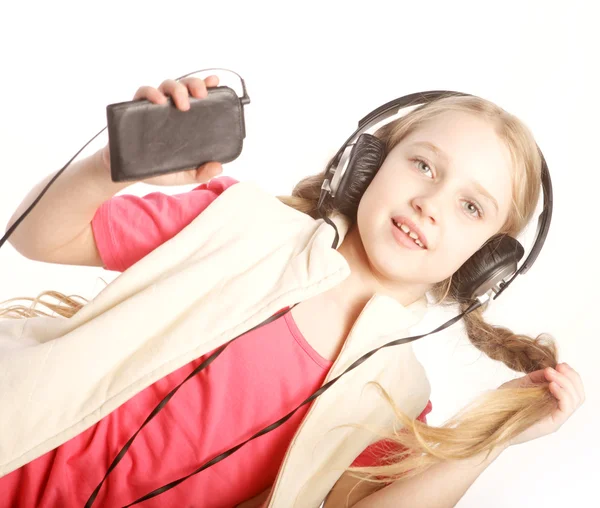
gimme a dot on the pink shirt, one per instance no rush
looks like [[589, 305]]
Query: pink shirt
[[226, 403]]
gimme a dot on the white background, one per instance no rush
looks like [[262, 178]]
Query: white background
[[313, 70]]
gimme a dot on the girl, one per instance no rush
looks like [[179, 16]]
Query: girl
[[203, 267]]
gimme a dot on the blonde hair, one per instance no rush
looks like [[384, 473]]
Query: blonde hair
[[493, 418]]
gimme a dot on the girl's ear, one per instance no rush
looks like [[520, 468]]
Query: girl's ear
[[366, 158], [496, 260]]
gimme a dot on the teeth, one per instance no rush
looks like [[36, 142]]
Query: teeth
[[410, 233]]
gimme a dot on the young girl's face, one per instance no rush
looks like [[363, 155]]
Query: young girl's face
[[449, 182]]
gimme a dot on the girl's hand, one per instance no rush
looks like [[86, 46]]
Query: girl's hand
[[180, 92], [565, 385]]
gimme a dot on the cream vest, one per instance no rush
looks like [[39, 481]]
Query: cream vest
[[240, 261]]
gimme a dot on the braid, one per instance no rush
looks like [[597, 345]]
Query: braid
[[518, 352]]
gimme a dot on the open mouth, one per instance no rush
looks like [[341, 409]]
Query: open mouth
[[410, 235]]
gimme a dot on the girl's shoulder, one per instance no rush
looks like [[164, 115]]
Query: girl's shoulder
[[128, 227]]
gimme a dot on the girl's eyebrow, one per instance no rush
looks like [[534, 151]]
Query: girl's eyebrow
[[485, 193], [436, 150], [443, 155]]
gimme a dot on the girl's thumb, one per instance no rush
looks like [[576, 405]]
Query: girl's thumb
[[210, 170]]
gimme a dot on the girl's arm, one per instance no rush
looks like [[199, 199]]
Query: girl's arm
[[441, 486], [59, 228], [63, 216], [444, 484]]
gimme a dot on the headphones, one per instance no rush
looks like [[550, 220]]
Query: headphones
[[347, 177], [483, 276]]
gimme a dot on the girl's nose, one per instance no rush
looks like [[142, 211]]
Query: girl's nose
[[427, 208]]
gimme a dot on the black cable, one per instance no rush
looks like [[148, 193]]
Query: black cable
[[312, 397], [160, 405], [323, 215], [45, 189], [166, 399], [244, 99], [217, 352]]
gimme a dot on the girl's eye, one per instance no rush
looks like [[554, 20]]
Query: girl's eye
[[422, 164], [473, 209]]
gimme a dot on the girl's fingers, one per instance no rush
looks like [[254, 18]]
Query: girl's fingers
[[567, 389], [177, 91], [564, 401], [212, 81], [559, 377], [196, 87], [208, 170], [575, 378], [151, 94], [537, 376]]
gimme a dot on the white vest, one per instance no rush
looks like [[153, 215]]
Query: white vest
[[240, 261]]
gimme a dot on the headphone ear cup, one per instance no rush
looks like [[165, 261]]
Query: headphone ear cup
[[365, 160], [496, 260]]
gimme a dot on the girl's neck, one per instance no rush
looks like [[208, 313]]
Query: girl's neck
[[356, 290], [327, 318]]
